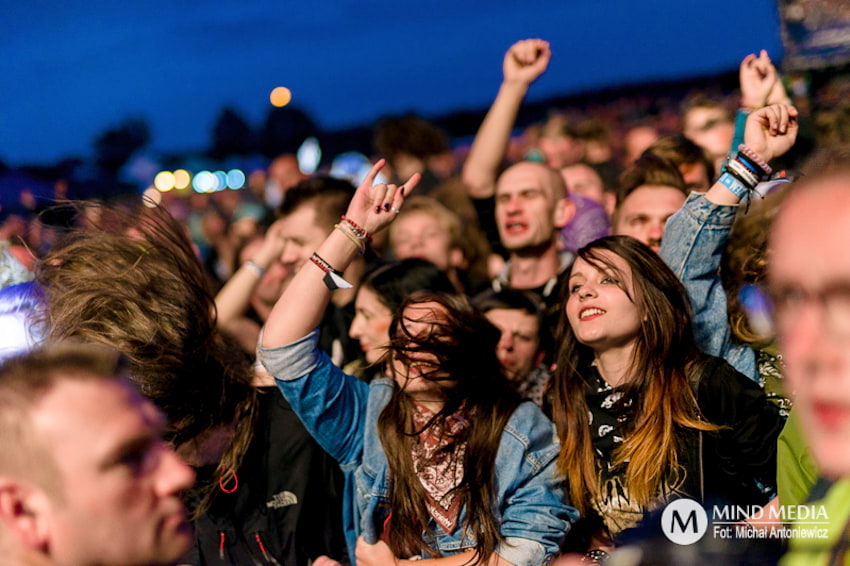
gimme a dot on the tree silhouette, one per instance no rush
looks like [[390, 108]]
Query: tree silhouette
[[116, 145], [231, 135], [285, 130]]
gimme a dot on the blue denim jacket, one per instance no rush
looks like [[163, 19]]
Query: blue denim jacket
[[692, 246], [342, 412]]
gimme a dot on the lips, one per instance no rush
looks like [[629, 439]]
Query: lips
[[589, 313], [831, 415], [515, 227]]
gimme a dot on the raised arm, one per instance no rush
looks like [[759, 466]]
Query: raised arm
[[233, 299], [300, 308], [696, 235], [524, 62]]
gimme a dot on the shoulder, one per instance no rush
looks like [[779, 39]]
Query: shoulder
[[530, 432]]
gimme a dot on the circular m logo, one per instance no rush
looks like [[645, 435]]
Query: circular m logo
[[684, 521]]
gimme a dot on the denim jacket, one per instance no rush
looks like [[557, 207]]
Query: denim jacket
[[342, 412], [692, 247]]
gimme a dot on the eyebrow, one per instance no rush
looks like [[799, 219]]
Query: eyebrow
[[154, 429]]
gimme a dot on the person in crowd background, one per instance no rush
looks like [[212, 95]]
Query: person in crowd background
[[381, 293]]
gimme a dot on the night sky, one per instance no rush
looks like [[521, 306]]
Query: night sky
[[70, 70]]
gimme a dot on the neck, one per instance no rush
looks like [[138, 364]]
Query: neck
[[430, 403], [615, 364], [532, 268]]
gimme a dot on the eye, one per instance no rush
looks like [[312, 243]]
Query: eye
[[574, 289], [610, 281]]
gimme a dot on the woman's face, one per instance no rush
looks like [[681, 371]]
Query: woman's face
[[371, 324], [417, 374], [599, 311]]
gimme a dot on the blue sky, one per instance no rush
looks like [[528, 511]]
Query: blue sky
[[70, 70]]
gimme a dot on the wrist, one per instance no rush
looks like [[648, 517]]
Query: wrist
[[515, 86]]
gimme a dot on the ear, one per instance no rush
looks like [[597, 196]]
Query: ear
[[565, 210], [539, 358], [23, 513]]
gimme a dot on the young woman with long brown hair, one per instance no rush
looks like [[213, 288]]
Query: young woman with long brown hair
[[643, 416], [442, 460]]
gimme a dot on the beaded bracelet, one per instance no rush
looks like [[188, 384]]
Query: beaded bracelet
[[358, 231], [359, 243], [333, 277], [756, 159]]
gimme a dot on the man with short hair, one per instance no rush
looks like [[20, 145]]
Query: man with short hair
[[85, 477], [522, 346], [531, 208], [308, 215], [651, 190]]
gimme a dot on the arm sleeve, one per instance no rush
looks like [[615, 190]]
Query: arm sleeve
[[751, 423], [692, 247], [535, 515], [331, 404]]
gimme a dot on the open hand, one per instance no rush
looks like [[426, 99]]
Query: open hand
[[758, 77], [378, 554], [375, 207], [526, 60], [772, 130]]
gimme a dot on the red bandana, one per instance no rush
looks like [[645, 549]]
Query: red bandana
[[438, 462]]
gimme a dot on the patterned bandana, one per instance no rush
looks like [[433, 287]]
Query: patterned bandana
[[438, 462]]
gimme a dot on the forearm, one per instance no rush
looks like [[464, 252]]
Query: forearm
[[233, 299], [301, 306], [491, 142]]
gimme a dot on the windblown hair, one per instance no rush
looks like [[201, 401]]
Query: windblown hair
[[130, 280], [658, 394], [395, 282], [464, 345]]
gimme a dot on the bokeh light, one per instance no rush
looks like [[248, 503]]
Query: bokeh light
[[280, 96], [151, 197], [182, 179], [220, 180], [204, 182], [235, 179], [164, 181]]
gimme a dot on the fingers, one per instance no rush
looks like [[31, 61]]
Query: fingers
[[369, 179], [527, 51]]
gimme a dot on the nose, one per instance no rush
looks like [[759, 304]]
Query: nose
[[586, 291], [354, 330], [290, 255], [506, 340], [174, 474], [656, 230]]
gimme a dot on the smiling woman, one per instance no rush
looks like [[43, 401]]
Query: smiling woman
[[643, 416]]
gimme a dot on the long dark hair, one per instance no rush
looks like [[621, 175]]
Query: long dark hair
[[658, 391], [131, 281], [464, 345]]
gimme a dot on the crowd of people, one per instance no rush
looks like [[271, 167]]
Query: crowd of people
[[519, 359]]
